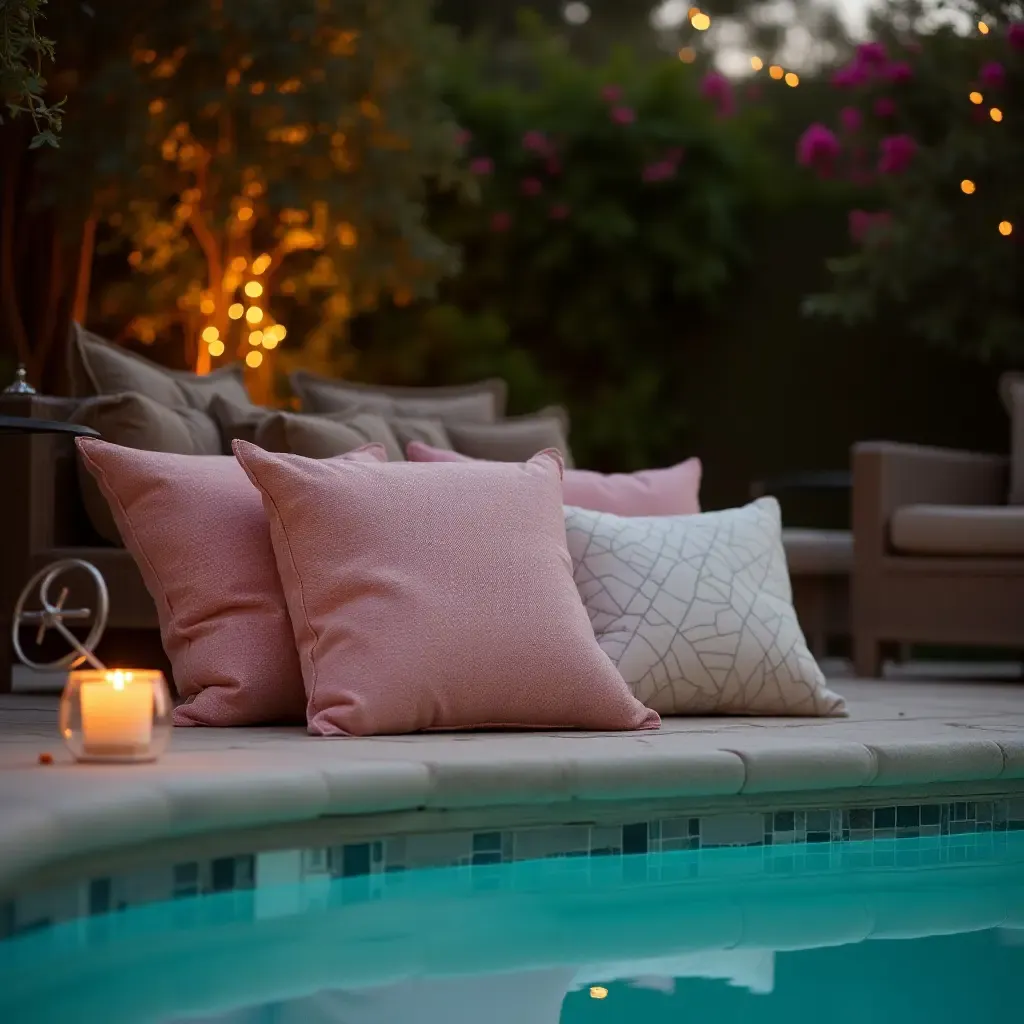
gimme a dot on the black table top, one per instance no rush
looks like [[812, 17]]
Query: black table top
[[27, 425]]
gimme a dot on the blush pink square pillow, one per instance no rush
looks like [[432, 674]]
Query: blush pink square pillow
[[435, 597], [196, 528], [674, 491]]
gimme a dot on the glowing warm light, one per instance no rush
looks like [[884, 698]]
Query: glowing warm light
[[216, 348], [278, 331], [700, 21], [347, 235], [983, 28], [269, 341], [235, 310], [253, 359], [776, 72], [976, 97], [256, 338], [210, 333], [687, 54], [238, 264], [756, 63], [692, 13], [792, 79], [1005, 227], [996, 114], [254, 314], [207, 306], [156, 106], [253, 289], [261, 263], [967, 186], [244, 212], [598, 992]]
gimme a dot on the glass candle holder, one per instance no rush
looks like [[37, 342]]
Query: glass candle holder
[[121, 715]]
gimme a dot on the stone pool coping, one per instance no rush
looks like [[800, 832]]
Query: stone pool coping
[[900, 734]]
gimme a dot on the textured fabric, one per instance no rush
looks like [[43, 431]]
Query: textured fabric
[[435, 597], [652, 492], [1015, 389], [483, 402], [135, 421], [322, 437], [100, 368], [195, 526], [423, 431], [515, 439], [697, 611]]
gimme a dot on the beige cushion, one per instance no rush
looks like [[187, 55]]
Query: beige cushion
[[483, 402], [965, 530], [136, 421], [323, 437], [818, 552], [100, 368], [1015, 389], [243, 422], [515, 439]]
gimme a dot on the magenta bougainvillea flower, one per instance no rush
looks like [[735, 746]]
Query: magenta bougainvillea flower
[[899, 72], [611, 93], [851, 119], [871, 55], [818, 148], [863, 223], [481, 165], [501, 221], [992, 75], [558, 211], [531, 186], [1015, 35], [896, 153], [850, 77], [536, 142], [716, 87], [885, 106], [623, 115]]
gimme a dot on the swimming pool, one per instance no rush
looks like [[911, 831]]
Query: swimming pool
[[803, 925]]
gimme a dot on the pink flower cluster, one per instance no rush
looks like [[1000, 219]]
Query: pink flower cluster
[[870, 63], [819, 149], [663, 169], [618, 111], [718, 89], [896, 154], [1015, 35]]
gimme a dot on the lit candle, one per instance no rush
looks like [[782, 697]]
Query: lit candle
[[117, 714]]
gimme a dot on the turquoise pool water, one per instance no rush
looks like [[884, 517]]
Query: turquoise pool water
[[901, 930]]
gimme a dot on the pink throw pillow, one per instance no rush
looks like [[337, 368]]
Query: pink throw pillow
[[196, 528], [674, 491], [435, 597]]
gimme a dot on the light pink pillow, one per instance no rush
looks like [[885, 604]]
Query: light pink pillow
[[674, 491], [435, 597], [195, 527]]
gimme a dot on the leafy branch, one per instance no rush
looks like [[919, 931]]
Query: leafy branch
[[23, 52]]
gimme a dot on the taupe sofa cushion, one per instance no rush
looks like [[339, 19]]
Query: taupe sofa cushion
[[1015, 391], [323, 437], [137, 421], [483, 402], [818, 552], [100, 368], [515, 439], [975, 531]]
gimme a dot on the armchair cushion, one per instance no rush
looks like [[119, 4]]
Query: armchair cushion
[[969, 531], [1015, 391], [515, 439]]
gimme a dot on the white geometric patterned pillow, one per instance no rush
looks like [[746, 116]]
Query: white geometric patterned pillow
[[697, 611]]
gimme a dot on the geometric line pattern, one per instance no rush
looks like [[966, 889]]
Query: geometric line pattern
[[696, 611]]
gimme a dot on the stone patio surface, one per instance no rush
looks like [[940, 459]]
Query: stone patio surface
[[909, 733]]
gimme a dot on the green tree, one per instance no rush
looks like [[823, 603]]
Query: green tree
[[933, 133], [24, 53]]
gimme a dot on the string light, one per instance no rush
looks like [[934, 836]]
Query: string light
[[253, 359], [245, 213], [1005, 227], [700, 21], [756, 63], [269, 340], [967, 186], [253, 289], [996, 114], [256, 338], [776, 72], [235, 310], [260, 264], [792, 79], [216, 348], [983, 28], [687, 54], [976, 97], [207, 306], [254, 314], [210, 334], [238, 264]]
